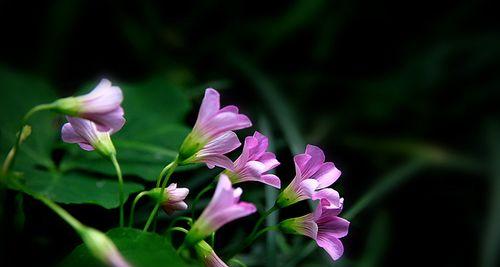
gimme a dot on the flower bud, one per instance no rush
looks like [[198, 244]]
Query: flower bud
[[102, 247]]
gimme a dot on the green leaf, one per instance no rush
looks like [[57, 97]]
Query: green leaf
[[75, 188], [18, 94], [140, 249]]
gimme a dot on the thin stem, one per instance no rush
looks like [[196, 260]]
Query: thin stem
[[132, 209], [162, 173], [170, 169], [121, 195], [178, 229], [78, 226], [197, 198], [212, 239], [258, 234], [255, 232], [11, 156], [181, 218], [262, 219]]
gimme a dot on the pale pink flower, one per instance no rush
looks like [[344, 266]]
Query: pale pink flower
[[173, 198], [312, 174], [102, 106], [324, 226], [224, 207], [212, 135], [254, 162], [87, 136], [207, 255]]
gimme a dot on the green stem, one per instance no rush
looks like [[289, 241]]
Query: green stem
[[255, 232], [11, 156], [162, 173], [212, 239], [181, 218], [78, 226], [132, 209], [121, 195], [170, 169], [197, 198], [178, 229]]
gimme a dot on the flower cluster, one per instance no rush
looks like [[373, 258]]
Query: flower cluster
[[94, 117]]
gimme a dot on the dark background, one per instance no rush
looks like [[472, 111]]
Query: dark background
[[402, 95]]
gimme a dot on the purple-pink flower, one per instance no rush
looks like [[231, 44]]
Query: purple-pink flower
[[101, 106], [323, 225], [312, 173], [207, 255], [173, 198], [212, 135], [254, 162], [224, 207], [85, 133]]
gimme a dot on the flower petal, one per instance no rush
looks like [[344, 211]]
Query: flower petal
[[313, 164], [224, 216], [112, 121], [329, 199], [327, 175], [271, 180], [69, 135], [209, 106], [221, 145], [334, 226], [331, 244]]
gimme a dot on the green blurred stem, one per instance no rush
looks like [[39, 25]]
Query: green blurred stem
[[78, 226], [212, 239], [11, 157], [162, 173], [197, 198], [132, 209], [255, 232], [169, 169], [178, 229], [180, 218], [121, 196], [387, 183]]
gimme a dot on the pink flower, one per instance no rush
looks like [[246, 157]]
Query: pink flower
[[87, 136], [312, 173], [173, 198], [207, 255], [224, 207], [323, 225], [254, 161], [102, 106], [212, 135]]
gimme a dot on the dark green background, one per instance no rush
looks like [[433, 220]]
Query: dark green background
[[403, 96]]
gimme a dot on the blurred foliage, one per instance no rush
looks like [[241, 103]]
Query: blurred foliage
[[138, 248], [401, 96]]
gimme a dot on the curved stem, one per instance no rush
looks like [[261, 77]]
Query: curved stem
[[197, 198], [121, 195], [170, 169], [178, 229], [11, 156], [255, 232], [262, 219], [132, 209], [162, 173], [181, 218]]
